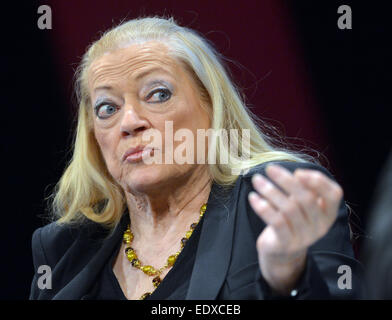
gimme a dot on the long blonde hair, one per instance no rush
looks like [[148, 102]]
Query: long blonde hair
[[86, 189]]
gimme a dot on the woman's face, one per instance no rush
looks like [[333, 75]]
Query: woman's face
[[134, 91]]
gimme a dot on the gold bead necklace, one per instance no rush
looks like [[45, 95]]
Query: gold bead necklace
[[150, 270]]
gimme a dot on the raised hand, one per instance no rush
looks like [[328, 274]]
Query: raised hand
[[296, 216]]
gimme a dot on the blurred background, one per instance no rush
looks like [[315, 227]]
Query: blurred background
[[321, 88]]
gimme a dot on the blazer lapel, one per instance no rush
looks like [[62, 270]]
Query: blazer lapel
[[215, 244], [78, 288]]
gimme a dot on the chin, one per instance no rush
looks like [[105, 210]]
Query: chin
[[144, 179]]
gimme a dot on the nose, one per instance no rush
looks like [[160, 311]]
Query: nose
[[132, 122]]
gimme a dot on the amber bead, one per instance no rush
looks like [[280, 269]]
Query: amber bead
[[171, 260], [144, 296], [203, 209], [156, 281], [183, 241], [188, 234], [128, 237], [135, 263], [131, 255], [128, 249], [149, 270]]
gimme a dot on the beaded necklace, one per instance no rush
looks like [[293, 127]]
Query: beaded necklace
[[150, 270]]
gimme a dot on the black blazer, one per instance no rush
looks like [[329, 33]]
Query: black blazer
[[226, 264]]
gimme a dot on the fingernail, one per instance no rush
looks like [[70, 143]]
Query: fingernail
[[258, 179], [252, 195]]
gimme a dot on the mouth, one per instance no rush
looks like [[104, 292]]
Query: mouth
[[136, 154]]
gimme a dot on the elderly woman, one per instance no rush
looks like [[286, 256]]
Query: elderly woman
[[268, 225]]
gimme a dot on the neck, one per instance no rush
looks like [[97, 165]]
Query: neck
[[161, 218]]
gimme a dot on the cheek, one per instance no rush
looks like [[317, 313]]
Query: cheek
[[191, 118], [107, 145], [188, 115]]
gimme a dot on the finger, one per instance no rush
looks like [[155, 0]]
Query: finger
[[328, 190], [283, 203], [329, 195], [269, 215], [305, 198], [263, 186], [264, 210]]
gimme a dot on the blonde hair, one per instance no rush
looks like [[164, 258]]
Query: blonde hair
[[86, 189]]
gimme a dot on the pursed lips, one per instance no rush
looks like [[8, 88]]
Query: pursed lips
[[134, 150]]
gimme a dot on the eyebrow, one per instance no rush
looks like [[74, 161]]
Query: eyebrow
[[103, 88], [137, 77]]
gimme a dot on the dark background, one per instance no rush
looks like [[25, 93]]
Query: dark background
[[321, 87]]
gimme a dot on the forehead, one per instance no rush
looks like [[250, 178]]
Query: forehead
[[131, 61]]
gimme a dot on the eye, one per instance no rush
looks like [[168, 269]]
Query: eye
[[159, 95], [104, 110]]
